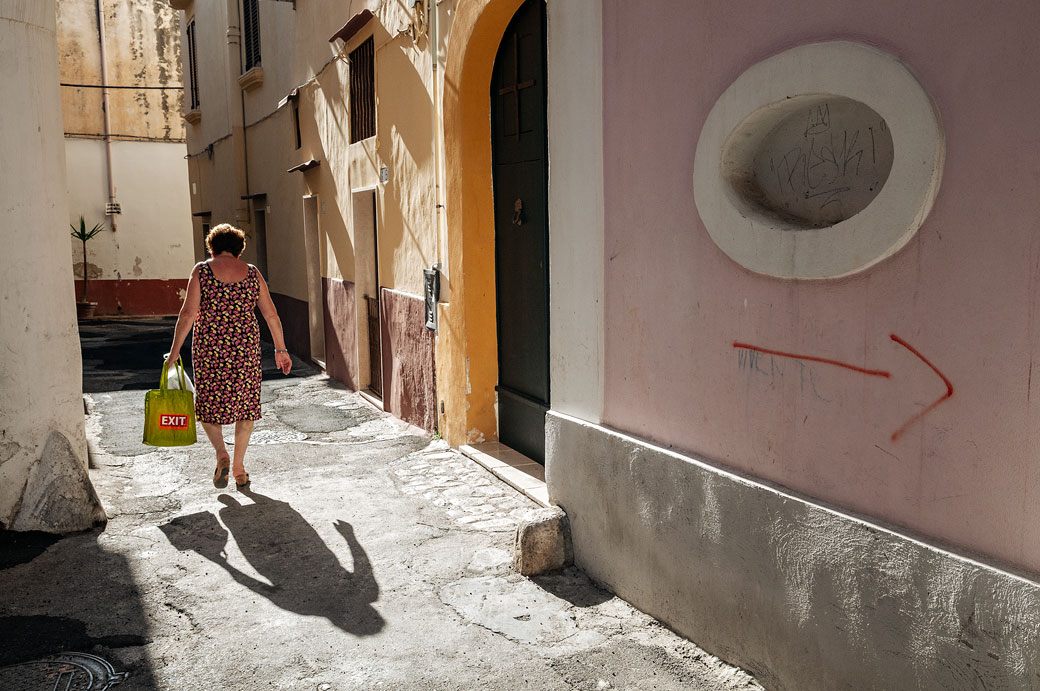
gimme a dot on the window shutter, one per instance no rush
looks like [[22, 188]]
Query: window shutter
[[362, 92], [193, 67], [251, 32]]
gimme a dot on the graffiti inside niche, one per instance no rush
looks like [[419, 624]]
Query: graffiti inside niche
[[824, 163]]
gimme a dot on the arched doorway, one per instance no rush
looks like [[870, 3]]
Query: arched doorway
[[520, 182]]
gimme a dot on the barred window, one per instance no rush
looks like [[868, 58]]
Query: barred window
[[362, 92], [193, 67], [251, 32], [296, 122]]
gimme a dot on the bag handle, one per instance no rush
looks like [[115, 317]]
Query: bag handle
[[180, 375]]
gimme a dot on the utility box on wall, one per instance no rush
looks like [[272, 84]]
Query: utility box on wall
[[431, 293]]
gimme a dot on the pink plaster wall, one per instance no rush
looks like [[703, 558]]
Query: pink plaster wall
[[963, 291]]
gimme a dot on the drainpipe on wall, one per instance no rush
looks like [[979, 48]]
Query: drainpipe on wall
[[236, 114], [112, 207], [438, 157]]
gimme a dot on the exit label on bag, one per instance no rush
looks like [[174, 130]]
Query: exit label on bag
[[173, 421]]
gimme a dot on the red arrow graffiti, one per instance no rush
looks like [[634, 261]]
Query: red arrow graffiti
[[813, 358], [949, 389], [869, 372]]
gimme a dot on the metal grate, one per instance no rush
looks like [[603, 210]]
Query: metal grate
[[251, 32], [362, 92], [193, 67], [66, 672]]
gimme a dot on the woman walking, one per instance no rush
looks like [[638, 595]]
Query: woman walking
[[225, 347]]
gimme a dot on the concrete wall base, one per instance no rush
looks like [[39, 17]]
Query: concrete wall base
[[58, 496], [803, 596]]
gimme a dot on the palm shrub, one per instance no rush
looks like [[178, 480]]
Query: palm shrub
[[82, 234]]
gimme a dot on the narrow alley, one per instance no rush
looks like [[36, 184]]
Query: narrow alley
[[365, 555]]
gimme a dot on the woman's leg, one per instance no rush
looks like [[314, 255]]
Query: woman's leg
[[243, 430], [216, 438]]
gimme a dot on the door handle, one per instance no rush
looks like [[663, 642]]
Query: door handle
[[518, 212]]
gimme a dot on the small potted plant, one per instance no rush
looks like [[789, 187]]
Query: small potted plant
[[85, 309]]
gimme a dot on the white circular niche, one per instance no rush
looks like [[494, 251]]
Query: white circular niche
[[818, 162]]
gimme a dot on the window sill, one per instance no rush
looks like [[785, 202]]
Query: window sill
[[193, 117], [252, 79]]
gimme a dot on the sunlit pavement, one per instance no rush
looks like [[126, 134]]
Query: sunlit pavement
[[365, 555]]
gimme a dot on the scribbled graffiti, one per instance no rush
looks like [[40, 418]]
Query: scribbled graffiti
[[825, 162], [756, 361]]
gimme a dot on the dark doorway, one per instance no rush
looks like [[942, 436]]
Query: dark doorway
[[519, 152], [366, 251], [260, 240]]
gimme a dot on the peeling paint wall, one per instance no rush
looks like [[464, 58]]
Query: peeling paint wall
[[152, 238], [143, 50]]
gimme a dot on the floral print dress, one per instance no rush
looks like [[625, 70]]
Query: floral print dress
[[225, 349]]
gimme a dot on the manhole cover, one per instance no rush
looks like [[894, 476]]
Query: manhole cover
[[66, 672]]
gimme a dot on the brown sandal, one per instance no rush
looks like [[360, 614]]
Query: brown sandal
[[220, 475], [242, 481]]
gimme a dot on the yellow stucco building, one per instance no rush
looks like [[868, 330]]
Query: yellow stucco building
[[354, 145]]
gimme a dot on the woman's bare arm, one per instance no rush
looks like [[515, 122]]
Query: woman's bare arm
[[274, 323]]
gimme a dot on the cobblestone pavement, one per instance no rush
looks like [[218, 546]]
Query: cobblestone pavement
[[366, 555]]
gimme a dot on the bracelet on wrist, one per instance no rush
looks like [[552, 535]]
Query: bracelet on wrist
[[281, 351]]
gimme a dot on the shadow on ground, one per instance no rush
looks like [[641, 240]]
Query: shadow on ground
[[571, 584], [69, 595], [306, 576]]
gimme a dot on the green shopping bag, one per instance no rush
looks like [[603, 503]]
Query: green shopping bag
[[169, 414]]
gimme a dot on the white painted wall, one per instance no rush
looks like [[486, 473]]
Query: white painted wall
[[153, 238], [40, 371], [575, 112]]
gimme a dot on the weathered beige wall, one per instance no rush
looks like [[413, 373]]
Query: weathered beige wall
[[404, 144], [215, 95], [153, 236], [43, 450], [270, 144], [143, 49], [210, 185], [295, 52]]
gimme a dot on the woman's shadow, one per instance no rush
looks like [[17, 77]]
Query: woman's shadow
[[305, 575]]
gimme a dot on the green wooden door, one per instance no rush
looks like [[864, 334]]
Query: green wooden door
[[519, 150]]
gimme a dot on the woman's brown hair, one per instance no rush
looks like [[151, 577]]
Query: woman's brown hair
[[225, 238]]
